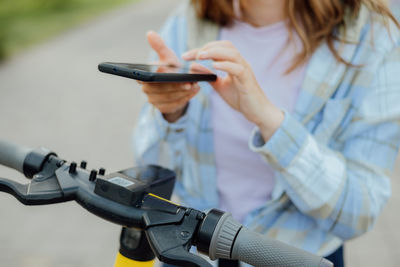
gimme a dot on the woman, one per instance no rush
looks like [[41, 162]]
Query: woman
[[299, 136]]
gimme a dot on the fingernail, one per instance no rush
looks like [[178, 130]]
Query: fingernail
[[185, 55], [202, 54], [186, 86]]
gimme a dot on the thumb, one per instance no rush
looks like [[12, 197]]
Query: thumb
[[165, 54]]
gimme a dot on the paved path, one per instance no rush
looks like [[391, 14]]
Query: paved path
[[53, 95]]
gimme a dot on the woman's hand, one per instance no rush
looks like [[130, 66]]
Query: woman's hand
[[170, 98], [239, 88]]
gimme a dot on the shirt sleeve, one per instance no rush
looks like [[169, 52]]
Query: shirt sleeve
[[344, 190]]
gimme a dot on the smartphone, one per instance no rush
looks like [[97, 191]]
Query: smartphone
[[156, 73]]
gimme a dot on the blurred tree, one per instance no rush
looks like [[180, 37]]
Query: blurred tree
[[55, 4], [2, 40]]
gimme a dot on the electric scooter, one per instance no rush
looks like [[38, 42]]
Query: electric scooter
[[137, 199]]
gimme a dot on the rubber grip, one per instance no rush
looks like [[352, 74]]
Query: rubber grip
[[259, 250], [12, 155]]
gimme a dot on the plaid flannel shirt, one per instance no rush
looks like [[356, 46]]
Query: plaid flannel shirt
[[332, 155]]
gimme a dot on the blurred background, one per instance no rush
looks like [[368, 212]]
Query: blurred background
[[52, 94]]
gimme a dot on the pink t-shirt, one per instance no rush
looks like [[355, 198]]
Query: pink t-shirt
[[244, 180]]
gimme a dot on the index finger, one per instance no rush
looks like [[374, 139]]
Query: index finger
[[165, 54]]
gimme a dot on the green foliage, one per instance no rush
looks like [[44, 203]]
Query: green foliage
[[55, 4], [2, 41], [25, 22]]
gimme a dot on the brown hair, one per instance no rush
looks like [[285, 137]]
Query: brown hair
[[314, 21]]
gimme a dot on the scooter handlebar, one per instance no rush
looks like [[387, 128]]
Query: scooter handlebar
[[231, 240], [12, 155], [227, 239], [258, 250]]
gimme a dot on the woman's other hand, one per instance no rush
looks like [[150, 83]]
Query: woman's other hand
[[170, 99], [239, 88]]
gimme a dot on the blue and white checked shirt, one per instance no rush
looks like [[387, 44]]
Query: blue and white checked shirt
[[332, 155]]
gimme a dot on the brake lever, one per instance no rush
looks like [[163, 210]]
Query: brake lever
[[171, 231], [44, 187], [171, 243]]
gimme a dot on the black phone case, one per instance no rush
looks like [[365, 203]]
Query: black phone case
[[147, 76]]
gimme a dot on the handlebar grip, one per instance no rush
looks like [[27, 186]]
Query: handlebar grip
[[259, 250], [12, 155]]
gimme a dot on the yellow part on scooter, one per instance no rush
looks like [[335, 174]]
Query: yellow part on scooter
[[122, 261]]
